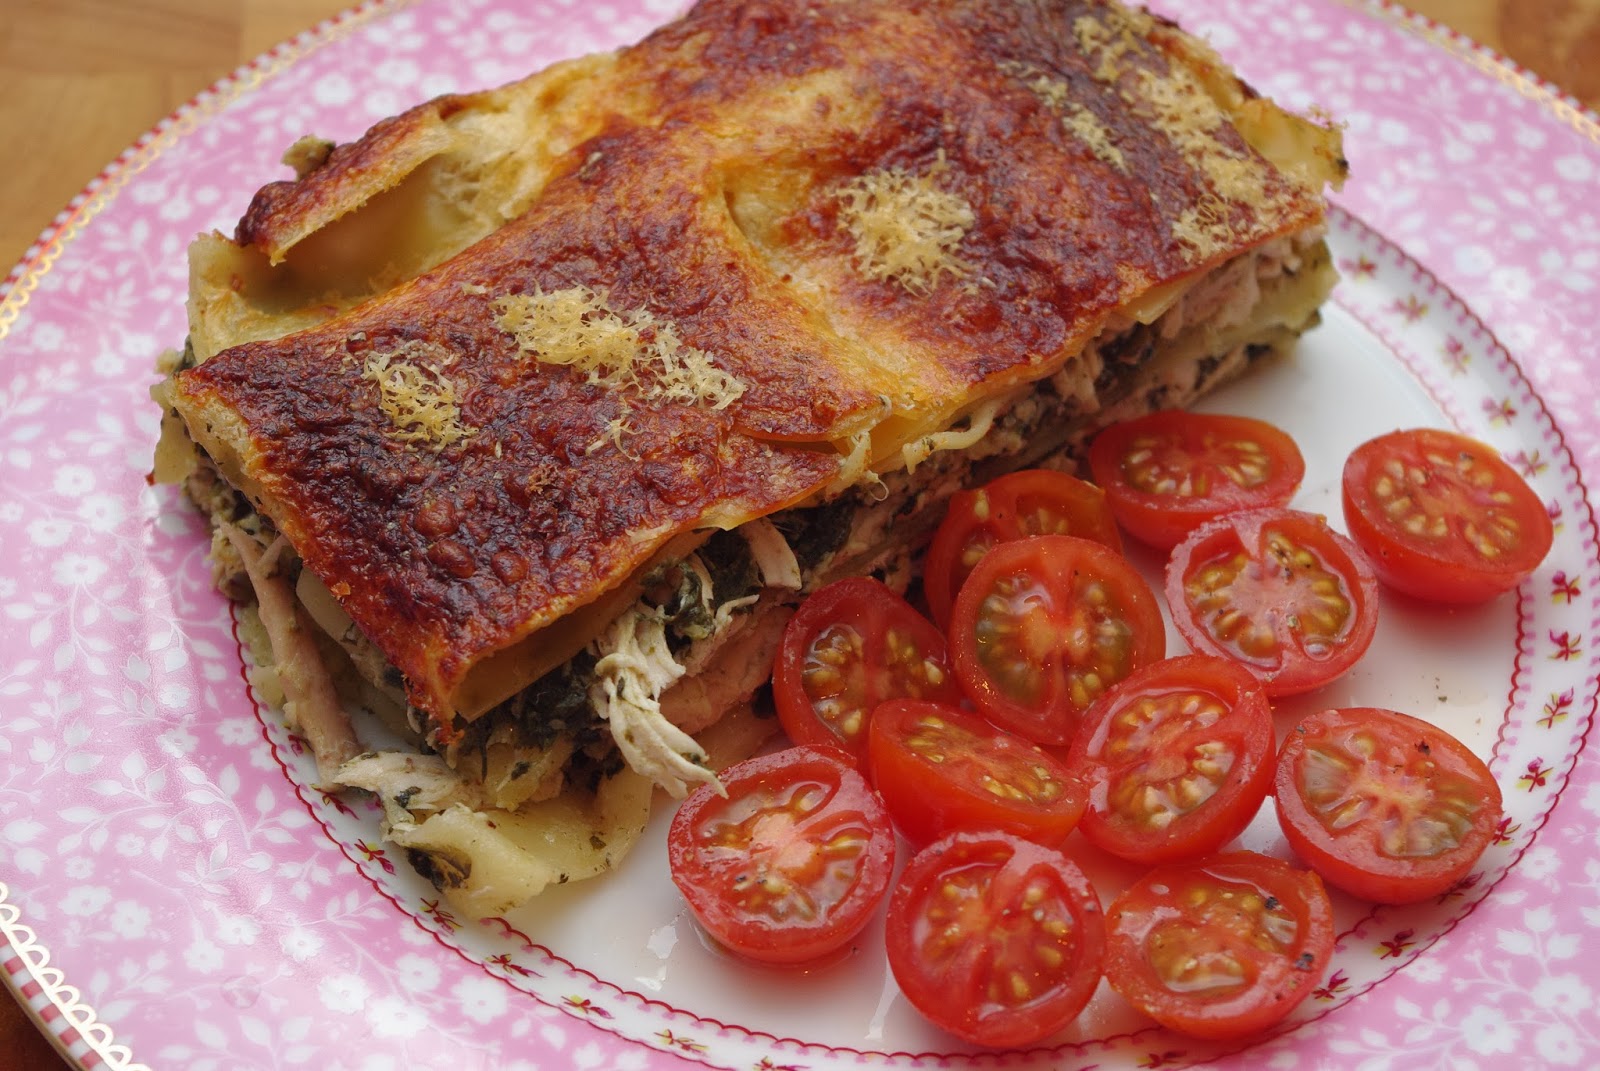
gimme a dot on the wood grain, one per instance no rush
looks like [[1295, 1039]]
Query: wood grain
[[82, 79]]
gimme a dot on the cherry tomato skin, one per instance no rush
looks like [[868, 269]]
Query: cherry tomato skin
[[1169, 472], [1442, 517], [1220, 948], [1385, 806], [1019, 504], [995, 939], [792, 863], [1177, 759], [940, 769], [850, 646], [1277, 591], [1044, 625]]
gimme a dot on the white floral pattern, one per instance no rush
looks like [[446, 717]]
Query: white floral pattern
[[175, 895]]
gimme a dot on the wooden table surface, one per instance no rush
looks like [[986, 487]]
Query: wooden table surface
[[83, 78]]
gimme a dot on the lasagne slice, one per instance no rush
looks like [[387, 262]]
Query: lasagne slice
[[545, 404]]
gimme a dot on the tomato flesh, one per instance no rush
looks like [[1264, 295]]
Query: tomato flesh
[[1167, 473], [1442, 517], [1383, 805], [1015, 506], [851, 646], [1221, 948], [1277, 591], [1044, 625], [994, 938], [1177, 759], [940, 770], [792, 863]]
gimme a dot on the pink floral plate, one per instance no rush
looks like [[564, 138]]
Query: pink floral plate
[[173, 895]]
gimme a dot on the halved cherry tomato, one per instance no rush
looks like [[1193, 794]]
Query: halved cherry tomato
[[1385, 806], [792, 863], [1442, 517], [1177, 759], [850, 646], [940, 769], [1028, 503], [996, 939], [1167, 473], [1277, 591], [1221, 948], [1044, 625]]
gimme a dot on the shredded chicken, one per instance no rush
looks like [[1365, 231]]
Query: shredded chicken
[[311, 704], [635, 667]]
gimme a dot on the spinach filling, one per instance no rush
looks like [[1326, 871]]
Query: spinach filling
[[817, 532], [558, 705], [555, 705]]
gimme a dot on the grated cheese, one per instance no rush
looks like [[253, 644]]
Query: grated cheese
[[416, 395], [1079, 121], [1108, 42], [906, 229], [577, 327], [1087, 128], [1184, 110], [1186, 113], [1181, 109]]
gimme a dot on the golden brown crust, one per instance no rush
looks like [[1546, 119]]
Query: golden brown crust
[[1080, 164], [523, 127], [279, 210]]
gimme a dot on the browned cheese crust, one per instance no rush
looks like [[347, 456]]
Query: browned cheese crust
[[704, 183]]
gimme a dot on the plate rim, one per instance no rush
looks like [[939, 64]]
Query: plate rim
[[18, 940]]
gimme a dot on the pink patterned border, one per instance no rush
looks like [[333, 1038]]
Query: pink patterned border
[[59, 886]]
